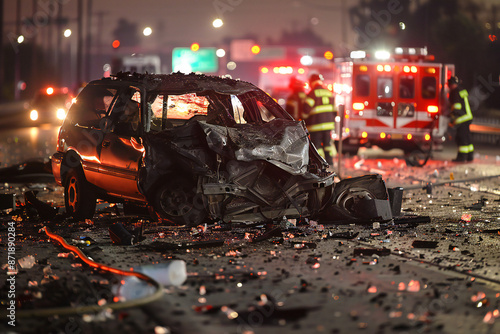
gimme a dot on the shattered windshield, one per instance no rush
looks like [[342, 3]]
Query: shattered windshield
[[171, 110]]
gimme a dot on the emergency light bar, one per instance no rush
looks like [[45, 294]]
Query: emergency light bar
[[399, 52], [359, 54], [382, 55]]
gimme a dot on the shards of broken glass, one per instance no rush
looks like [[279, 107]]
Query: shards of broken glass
[[27, 262]]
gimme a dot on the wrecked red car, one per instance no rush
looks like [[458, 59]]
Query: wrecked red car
[[197, 148]]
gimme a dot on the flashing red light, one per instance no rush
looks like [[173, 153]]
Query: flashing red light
[[380, 68], [406, 69], [364, 134], [409, 136], [255, 49], [49, 91], [413, 69], [427, 137], [382, 135], [264, 69], [328, 55], [115, 44], [432, 109]]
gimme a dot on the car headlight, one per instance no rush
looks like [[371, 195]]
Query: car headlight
[[34, 115], [61, 113]]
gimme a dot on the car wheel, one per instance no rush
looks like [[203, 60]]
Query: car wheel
[[79, 199], [178, 201]]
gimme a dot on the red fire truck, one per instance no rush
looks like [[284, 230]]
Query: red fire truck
[[392, 100]]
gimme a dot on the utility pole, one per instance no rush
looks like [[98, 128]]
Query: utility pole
[[34, 58], [1, 51], [88, 53], [79, 48], [58, 45], [17, 56]]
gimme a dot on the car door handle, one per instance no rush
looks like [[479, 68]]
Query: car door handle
[[105, 143]]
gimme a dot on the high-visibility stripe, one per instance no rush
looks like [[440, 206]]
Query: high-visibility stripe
[[310, 101], [329, 149], [322, 93], [471, 148], [468, 114], [463, 149], [321, 127], [321, 152], [322, 108]]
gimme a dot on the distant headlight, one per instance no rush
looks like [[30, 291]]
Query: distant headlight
[[34, 115], [61, 113]]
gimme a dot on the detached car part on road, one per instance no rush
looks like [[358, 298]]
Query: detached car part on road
[[196, 148]]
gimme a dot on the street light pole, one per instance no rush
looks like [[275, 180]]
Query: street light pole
[[1, 51], [17, 56], [79, 48]]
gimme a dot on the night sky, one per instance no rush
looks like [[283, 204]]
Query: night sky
[[180, 22]]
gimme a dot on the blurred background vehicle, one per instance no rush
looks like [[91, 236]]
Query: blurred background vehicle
[[50, 105]]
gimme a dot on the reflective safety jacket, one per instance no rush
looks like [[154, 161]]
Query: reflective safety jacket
[[460, 108], [319, 110], [295, 104]]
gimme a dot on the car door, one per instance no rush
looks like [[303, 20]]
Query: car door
[[121, 147]]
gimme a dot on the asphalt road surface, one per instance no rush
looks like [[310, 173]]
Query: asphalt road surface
[[434, 269]]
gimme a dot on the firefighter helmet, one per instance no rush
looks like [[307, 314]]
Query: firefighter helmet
[[453, 81], [296, 84], [315, 78]]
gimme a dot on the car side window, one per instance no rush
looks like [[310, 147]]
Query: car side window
[[91, 105], [126, 113]]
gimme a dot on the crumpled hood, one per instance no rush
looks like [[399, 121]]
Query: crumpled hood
[[281, 142]]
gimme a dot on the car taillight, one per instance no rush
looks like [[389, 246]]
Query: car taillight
[[432, 109]]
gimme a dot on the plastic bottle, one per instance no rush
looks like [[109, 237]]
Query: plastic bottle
[[172, 273], [167, 273]]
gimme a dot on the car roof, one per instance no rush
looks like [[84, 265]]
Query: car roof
[[179, 82]]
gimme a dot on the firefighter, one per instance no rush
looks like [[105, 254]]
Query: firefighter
[[319, 114], [460, 119], [295, 102]]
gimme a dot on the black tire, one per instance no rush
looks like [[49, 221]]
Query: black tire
[[79, 198], [178, 202]]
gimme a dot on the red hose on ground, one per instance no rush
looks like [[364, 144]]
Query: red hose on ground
[[91, 263]]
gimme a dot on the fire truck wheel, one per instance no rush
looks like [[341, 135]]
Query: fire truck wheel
[[417, 158]]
